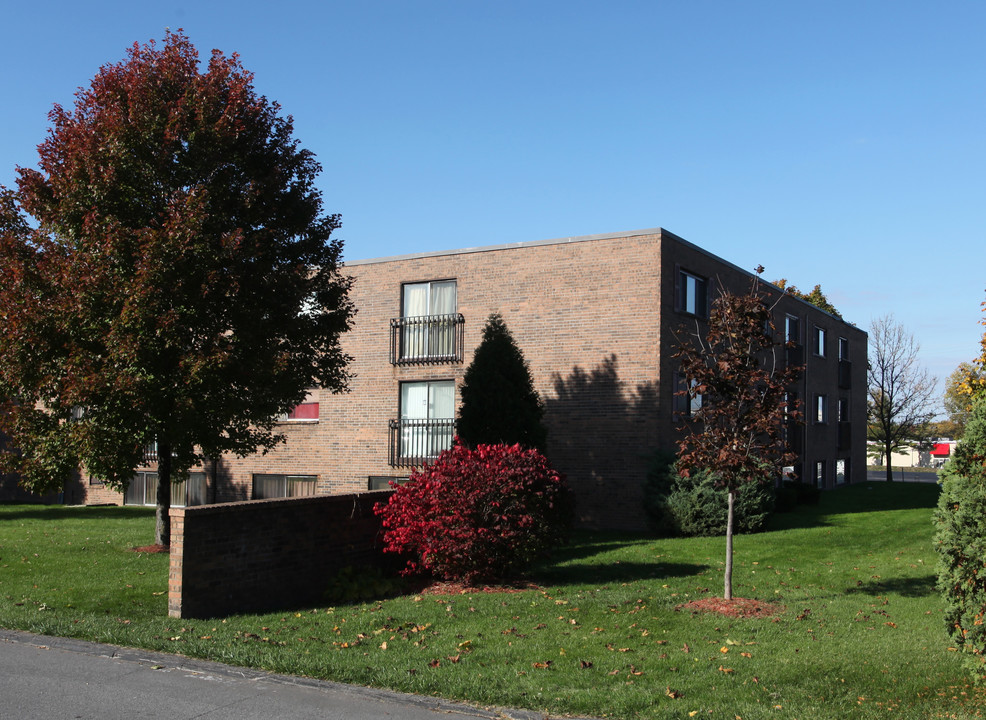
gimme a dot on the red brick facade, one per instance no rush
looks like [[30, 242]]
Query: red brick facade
[[596, 318]]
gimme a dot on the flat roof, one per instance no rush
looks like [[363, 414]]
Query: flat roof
[[588, 238], [514, 246]]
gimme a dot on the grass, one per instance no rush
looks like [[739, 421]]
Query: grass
[[860, 635]]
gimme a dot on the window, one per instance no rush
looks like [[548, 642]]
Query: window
[[686, 405], [304, 412], [427, 422], [843, 409], [693, 294], [142, 490], [818, 345], [792, 329], [843, 348], [429, 327], [820, 474], [383, 482], [821, 409], [267, 485], [840, 471]]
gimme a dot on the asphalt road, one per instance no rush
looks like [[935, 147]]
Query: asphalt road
[[48, 678]]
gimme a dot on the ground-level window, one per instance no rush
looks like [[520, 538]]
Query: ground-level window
[[271, 485], [383, 482], [186, 493], [841, 471], [820, 474]]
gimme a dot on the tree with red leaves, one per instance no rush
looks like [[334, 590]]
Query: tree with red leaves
[[178, 283], [737, 370]]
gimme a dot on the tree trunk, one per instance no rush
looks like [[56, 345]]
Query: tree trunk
[[162, 528], [890, 470], [728, 577]]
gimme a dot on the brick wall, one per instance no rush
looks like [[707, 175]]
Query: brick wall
[[597, 321], [268, 554], [585, 315]]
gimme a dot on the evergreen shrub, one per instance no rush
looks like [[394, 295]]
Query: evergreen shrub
[[697, 506], [499, 403], [960, 541], [478, 514]]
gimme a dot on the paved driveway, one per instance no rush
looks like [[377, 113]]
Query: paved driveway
[[48, 678]]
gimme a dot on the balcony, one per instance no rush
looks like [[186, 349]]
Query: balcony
[[793, 437], [795, 355], [845, 374], [413, 442], [845, 435], [150, 453], [426, 339]]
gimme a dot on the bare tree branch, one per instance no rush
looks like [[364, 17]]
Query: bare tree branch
[[901, 392]]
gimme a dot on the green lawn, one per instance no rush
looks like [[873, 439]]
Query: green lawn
[[860, 634]]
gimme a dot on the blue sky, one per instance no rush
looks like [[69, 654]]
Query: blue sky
[[839, 143]]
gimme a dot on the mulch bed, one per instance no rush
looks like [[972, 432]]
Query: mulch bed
[[457, 588], [737, 607], [152, 549]]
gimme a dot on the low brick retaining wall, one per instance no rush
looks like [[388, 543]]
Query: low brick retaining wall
[[268, 554]]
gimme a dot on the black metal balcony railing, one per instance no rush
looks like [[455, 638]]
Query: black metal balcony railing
[[792, 436], [795, 355], [427, 339], [414, 442], [845, 374]]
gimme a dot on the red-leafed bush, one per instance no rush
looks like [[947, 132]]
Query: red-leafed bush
[[479, 514]]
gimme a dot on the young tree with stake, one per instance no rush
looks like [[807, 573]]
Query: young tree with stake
[[737, 368]]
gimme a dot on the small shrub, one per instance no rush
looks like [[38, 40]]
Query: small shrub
[[478, 514], [960, 541], [695, 505]]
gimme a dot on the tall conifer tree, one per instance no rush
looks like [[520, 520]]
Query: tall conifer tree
[[499, 402]]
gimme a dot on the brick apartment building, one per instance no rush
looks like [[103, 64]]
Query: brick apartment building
[[596, 318]]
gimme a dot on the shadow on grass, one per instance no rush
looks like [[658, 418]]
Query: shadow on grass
[[602, 573], [858, 498], [905, 587], [592, 557], [11, 513]]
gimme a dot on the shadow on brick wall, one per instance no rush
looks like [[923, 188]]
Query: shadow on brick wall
[[601, 431], [222, 485]]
